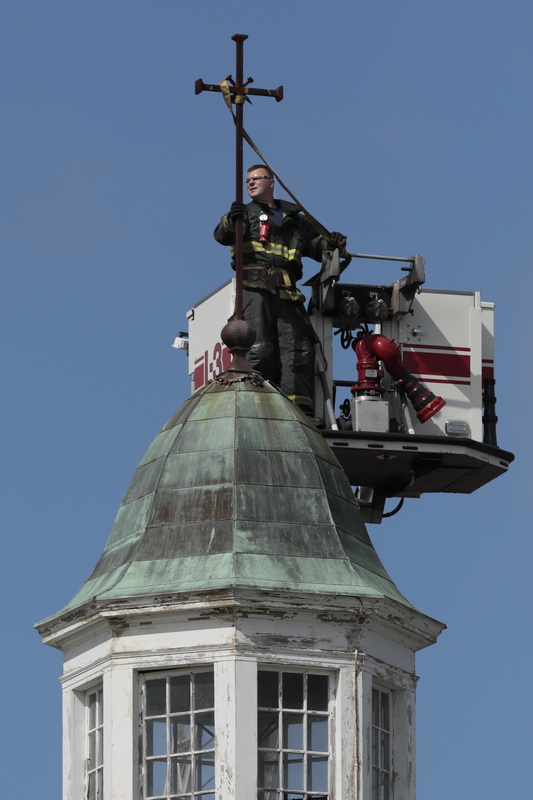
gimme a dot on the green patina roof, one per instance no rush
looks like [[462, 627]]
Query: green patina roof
[[237, 490]]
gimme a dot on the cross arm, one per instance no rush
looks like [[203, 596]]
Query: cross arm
[[200, 86]]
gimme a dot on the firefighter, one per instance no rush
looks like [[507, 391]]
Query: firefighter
[[275, 238]]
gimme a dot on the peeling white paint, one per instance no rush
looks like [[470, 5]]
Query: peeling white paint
[[236, 636]]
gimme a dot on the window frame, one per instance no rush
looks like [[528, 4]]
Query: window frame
[[194, 753], [285, 711], [93, 772], [382, 738]]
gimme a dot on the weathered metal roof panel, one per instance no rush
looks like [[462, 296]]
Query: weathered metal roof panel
[[117, 554], [161, 444], [345, 515], [289, 539], [237, 490], [271, 468], [334, 478], [361, 554], [191, 574], [262, 406], [195, 504], [221, 404], [131, 519], [282, 504], [280, 435], [184, 541], [202, 436], [144, 480], [92, 589], [316, 575], [182, 413], [318, 446], [198, 469]]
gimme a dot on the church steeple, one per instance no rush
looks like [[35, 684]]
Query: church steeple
[[239, 623]]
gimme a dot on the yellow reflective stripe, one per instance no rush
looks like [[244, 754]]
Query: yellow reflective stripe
[[288, 253]]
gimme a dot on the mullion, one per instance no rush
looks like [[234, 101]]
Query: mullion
[[293, 750], [167, 732], [283, 749], [280, 730], [304, 737], [192, 704]]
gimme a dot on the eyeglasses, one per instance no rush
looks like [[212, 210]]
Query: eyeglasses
[[258, 178]]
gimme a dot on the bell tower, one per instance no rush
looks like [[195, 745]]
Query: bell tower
[[239, 638]]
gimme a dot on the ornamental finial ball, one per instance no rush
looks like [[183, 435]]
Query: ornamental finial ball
[[238, 335]]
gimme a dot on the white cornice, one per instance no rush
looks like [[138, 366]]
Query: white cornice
[[415, 629]]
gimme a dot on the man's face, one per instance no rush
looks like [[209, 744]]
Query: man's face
[[260, 185]]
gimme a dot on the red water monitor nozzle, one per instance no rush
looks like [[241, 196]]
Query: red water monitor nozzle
[[374, 348]]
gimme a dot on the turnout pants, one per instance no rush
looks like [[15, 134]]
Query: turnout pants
[[284, 348]]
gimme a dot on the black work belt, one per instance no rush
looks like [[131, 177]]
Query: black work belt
[[270, 277]]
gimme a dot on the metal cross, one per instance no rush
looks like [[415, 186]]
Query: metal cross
[[239, 91]]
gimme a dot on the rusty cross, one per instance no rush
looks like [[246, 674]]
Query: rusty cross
[[239, 91]]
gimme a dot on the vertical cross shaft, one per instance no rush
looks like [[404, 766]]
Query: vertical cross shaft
[[239, 114], [239, 91]]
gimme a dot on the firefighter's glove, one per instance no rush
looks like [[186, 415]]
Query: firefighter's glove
[[237, 210], [337, 241]]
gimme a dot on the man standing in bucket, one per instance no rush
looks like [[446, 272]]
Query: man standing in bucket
[[276, 236]]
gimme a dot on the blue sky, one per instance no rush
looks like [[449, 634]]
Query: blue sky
[[406, 125]]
